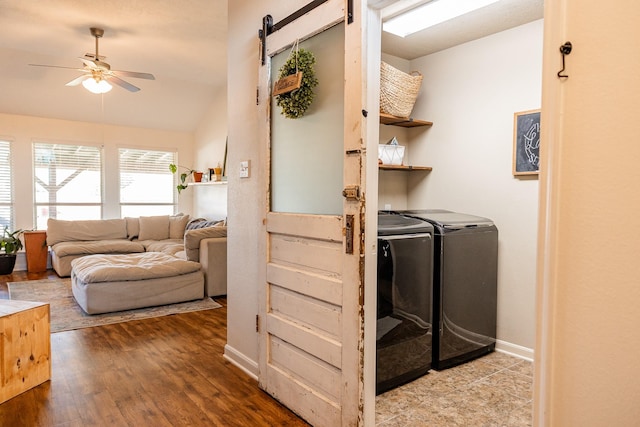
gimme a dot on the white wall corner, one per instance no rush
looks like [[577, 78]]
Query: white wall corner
[[250, 367]]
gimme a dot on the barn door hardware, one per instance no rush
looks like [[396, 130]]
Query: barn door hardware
[[269, 27], [565, 50]]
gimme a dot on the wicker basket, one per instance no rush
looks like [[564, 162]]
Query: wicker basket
[[398, 90]]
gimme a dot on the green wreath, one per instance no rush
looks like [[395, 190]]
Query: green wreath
[[295, 103]]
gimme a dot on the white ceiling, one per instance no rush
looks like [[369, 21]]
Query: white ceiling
[[181, 42]]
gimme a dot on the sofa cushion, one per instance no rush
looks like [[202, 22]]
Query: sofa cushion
[[101, 229], [169, 246], [192, 239], [177, 225], [149, 265], [154, 227], [118, 246]]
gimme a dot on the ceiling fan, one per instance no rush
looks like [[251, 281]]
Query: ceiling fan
[[97, 74]]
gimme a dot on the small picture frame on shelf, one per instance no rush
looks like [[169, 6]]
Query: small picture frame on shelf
[[526, 143]]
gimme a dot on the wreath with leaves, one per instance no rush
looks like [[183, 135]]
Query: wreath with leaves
[[295, 103]]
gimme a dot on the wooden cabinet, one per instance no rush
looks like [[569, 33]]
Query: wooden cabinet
[[25, 349], [404, 122]]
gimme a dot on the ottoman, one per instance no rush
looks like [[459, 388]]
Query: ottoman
[[107, 283]]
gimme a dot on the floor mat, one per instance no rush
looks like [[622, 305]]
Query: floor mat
[[66, 314]]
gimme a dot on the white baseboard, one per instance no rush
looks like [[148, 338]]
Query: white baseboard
[[21, 262], [515, 350], [249, 366]]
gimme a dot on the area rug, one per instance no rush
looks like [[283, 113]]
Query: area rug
[[66, 314]]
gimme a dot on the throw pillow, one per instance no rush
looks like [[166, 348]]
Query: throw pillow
[[133, 227], [177, 224], [203, 223], [154, 227]]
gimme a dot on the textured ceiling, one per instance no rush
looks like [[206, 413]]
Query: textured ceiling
[[181, 42]]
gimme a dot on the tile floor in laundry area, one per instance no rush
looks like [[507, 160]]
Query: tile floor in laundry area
[[494, 390]]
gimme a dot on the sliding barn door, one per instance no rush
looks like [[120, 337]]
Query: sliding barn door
[[311, 315]]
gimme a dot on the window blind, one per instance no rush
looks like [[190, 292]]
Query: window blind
[[146, 183], [6, 187], [68, 182]]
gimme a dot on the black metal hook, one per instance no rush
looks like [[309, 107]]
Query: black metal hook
[[565, 50]]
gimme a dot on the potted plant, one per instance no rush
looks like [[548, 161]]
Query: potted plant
[[9, 246], [182, 185]]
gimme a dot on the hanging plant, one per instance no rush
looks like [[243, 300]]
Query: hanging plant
[[295, 103]]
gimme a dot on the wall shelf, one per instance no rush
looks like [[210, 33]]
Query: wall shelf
[[406, 122], [191, 184], [404, 168]]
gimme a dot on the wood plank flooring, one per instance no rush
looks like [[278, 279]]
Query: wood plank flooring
[[166, 371]]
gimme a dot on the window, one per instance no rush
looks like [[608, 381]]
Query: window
[[68, 182], [146, 183], [6, 187]]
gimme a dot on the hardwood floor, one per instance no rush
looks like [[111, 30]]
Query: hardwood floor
[[166, 371]]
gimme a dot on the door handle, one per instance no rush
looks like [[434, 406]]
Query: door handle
[[351, 192]]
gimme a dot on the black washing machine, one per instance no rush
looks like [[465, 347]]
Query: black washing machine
[[404, 309], [464, 285]]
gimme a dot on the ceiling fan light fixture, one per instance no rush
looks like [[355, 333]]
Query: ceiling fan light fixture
[[98, 86], [96, 71]]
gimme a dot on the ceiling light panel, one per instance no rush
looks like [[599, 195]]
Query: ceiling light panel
[[430, 14]]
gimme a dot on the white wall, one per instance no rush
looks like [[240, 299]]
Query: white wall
[[210, 201], [24, 130], [587, 365], [470, 93], [246, 198], [211, 134]]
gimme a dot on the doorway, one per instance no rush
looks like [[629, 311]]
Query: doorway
[[470, 92]]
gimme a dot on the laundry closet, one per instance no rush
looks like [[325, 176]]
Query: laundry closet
[[458, 154]]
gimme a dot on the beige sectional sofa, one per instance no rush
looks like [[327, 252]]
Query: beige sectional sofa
[[177, 236]]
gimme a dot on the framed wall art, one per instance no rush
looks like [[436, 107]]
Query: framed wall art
[[526, 142]]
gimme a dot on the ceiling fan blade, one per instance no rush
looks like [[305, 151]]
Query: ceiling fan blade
[[78, 80], [88, 62], [57, 66], [135, 74], [128, 86]]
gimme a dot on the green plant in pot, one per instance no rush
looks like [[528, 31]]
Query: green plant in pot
[[182, 185], [9, 246]]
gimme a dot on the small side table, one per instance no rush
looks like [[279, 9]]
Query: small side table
[[37, 251], [25, 346]]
